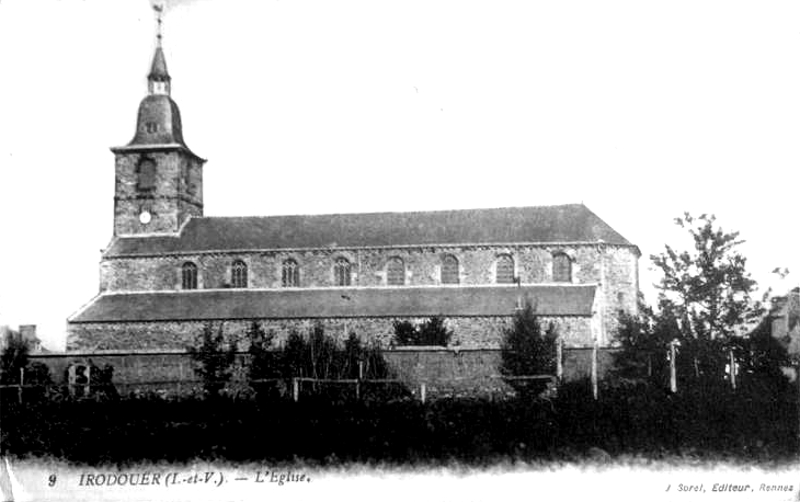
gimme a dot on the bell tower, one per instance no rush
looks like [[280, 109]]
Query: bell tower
[[158, 179]]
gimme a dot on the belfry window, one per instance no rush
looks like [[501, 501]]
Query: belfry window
[[239, 274], [449, 269], [504, 273], [146, 176], [189, 275], [395, 272], [341, 272], [290, 276], [562, 268]]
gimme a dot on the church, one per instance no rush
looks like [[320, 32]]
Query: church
[[169, 269]]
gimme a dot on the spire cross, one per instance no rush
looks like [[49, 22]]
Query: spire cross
[[159, 9]]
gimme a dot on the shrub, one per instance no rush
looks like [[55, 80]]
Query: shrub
[[14, 357], [320, 357], [527, 351], [644, 343], [432, 332], [264, 362], [211, 363], [405, 333]]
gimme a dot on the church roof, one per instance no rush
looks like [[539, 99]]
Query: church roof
[[550, 300], [544, 224], [159, 110]]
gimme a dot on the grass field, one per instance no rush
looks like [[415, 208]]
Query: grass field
[[628, 425]]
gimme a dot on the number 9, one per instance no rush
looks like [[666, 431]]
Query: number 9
[[52, 480]]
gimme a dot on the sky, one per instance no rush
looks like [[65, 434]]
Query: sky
[[640, 110]]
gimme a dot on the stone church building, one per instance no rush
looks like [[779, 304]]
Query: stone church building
[[169, 268]]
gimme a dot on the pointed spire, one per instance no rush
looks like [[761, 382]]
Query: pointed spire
[[159, 79], [158, 70]]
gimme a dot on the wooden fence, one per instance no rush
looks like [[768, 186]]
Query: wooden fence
[[95, 390]]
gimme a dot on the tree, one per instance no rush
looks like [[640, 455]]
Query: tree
[[765, 357], [710, 293], [527, 351], [432, 332], [213, 364], [264, 361], [633, 363], [320, 356], [405, 333], [14, 357], [708, 288], [705, 296]]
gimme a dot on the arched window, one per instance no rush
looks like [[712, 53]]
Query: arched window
[[505, 269], [290, 277], [562, 268], [189, 275], [449, 269], [341, 272], [239, 274], [395, 272], [146, 176]]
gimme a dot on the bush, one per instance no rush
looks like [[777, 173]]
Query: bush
[[405, 333], [527, 351], [319, 357], [14, 358], [709, 424], [644, 343], [264, 362], [211, 363], [431, 332]]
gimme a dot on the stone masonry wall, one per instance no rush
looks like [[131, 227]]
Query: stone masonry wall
[[444, 371], [620, 288], [469, 332], [533, 265], [177, 195], [614, 267]]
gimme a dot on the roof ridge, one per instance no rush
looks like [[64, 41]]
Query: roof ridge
[[559, 224], [422, 211], [356, 289]]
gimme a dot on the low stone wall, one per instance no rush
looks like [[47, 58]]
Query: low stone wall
[[445, 371]]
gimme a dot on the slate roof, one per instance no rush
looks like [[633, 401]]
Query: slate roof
[[552, 300], [162, 110], [158, 69], [544, 224]]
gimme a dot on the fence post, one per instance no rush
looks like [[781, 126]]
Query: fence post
[[71, 380], [559, 358], [732, 364], [295, 389], [88, 379], [594, 370], [360, 377], [422, 390], [673, 377], [21, 383]]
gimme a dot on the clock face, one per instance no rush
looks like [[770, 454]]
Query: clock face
[[145, 217]]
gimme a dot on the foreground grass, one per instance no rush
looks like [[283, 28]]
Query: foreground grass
[[638, 426]]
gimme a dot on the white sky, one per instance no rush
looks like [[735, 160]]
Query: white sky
[[641, 110]]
